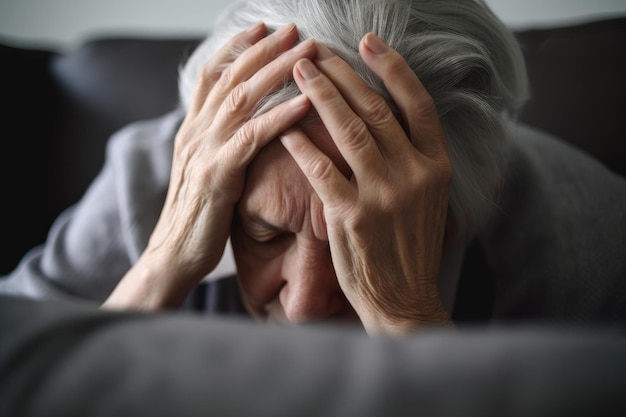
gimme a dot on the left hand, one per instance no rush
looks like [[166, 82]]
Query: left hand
[[386, 223], [212, 149]]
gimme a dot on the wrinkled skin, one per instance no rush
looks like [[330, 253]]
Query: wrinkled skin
[[342, 217]]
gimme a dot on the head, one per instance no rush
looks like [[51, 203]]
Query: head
[[466, 58]]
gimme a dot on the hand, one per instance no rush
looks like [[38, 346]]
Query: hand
[[386, 219], [216, 142]]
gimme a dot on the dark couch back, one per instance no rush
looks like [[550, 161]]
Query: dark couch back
[[578, 84], [61, 108]]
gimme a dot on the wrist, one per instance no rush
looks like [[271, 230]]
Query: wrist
[[148, 286], [401, 327], [403, 317]]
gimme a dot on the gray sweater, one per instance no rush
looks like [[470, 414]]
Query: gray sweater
[[554, 250]]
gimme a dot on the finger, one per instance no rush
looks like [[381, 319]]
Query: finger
[[365, 102], [277, 72], [350, 134], [213, 68], [415, 103], [258, 132], [245, 97], [248, 63], [331, 186]]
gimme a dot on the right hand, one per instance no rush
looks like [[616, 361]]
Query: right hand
[[216, 142], [386, 214]]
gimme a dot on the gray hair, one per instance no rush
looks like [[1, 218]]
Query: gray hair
[[467, 59]]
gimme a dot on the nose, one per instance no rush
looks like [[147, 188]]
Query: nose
[[311, 292]]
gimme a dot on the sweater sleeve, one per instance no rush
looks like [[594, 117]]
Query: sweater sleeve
[[92, 244]]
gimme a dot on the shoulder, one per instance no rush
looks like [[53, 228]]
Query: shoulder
[[557, 243], [140, 156], [146, 135], [554, 158]]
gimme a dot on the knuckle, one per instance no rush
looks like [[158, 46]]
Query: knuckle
[[425, 107], [268, 51], [389, 201], [209, 74], [320, 168], [396, 66], [246, 137], [258, 129], [226, 78], [241, 148], [376, 112], [237, 100], [267, 121], [354, 133], [436, 173], [359, 221], [325, 93], [391, 195]]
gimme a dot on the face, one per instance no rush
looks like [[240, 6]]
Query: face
[[280, 244]]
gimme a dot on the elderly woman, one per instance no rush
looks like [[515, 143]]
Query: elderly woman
[[360, 156]]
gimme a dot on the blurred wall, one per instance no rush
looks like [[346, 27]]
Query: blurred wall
[[65, 23]]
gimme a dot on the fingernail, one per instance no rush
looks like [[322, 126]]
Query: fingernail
[[307, 69], [323, 52], [375, 44]]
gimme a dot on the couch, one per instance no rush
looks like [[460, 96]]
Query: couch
[[58, 359], [66, 359]]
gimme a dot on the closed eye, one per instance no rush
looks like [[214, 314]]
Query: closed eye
[[262, 233]]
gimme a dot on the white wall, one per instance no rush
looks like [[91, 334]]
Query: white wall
[[65, 23], [538, 13]]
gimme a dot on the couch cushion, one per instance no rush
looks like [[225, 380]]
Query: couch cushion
[[124, 80], [103, 86]]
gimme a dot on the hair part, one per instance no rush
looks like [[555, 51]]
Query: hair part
[[466, 58]]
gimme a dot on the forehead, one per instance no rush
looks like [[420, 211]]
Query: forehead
[[276, 190]]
